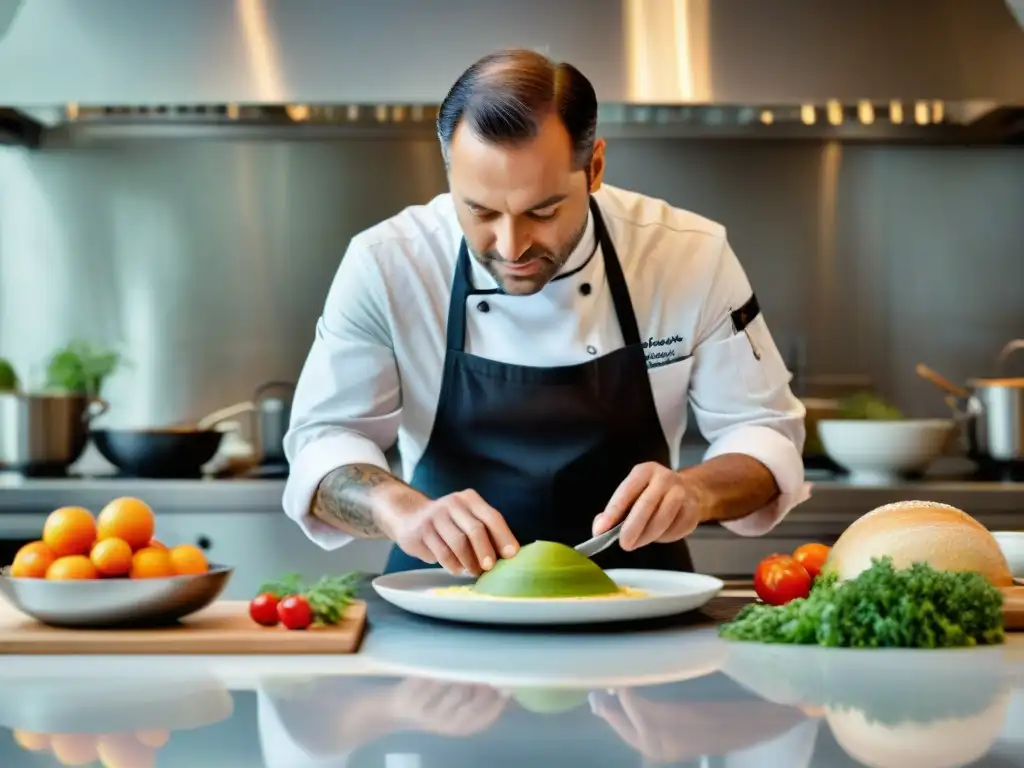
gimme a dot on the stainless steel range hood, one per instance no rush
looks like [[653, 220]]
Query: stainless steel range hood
[[116, 56]]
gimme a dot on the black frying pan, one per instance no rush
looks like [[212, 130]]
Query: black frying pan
[[158, 452], [168, 452]]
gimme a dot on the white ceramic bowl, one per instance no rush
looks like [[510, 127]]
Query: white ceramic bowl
[[884, 450], [1012, 545]]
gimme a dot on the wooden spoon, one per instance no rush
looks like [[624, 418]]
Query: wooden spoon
[[940, 381]]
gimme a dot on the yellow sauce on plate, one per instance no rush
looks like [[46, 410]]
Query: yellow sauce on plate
[[467, 591]]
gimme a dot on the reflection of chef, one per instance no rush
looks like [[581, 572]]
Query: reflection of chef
[[323, 721], [355, 722], [753, 733]]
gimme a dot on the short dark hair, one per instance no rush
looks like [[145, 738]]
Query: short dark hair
[[505, 95]]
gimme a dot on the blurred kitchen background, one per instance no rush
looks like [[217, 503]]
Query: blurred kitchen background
[[180, 180]]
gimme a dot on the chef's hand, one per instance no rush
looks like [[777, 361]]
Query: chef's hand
[[679, 731], [448, 709], [460, 531], [658, 506]]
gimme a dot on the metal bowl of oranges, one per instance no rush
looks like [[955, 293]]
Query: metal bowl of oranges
[[108, 570]]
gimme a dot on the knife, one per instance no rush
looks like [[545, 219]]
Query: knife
[[599, 543]]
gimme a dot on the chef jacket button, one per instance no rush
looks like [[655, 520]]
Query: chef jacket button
[[585, 289], [592, 349], [483, 306]]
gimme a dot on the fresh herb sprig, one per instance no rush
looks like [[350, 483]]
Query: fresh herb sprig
[[81, 368]]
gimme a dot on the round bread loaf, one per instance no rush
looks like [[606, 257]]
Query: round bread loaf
[[940, 743], [941, 535]]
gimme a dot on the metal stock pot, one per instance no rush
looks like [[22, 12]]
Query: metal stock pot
[[42, 434], [990, 411]]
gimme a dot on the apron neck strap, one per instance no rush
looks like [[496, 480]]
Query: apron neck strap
[[616, 280], [457, 305], [461, 289]]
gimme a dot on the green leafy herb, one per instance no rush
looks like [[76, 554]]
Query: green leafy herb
[[289, 584], [8, 378], [883, 607], [328, 596], [81, 368], [868, 406]]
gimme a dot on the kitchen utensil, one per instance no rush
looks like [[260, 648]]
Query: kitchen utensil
[[990, 411], [668, 593], [599, 543], [158, 452], [174, 451], [224, 627], [885, 450], [272, 418], [98, 603], [43, 434], [940, 381]]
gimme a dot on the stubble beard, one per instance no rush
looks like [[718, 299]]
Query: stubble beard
[[527, 285]]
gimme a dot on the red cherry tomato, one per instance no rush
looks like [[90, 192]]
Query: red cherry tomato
[[295, 612], [263, 609], [780, 578], [812, 557]]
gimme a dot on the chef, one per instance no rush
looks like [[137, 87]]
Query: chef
[[531, 340]]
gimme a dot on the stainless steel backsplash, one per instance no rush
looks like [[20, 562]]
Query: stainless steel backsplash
[[207, 262]]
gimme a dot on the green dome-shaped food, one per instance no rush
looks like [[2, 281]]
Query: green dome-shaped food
[[546, 569], [549, 701]]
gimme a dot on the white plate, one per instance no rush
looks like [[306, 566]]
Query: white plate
[[670, 592]]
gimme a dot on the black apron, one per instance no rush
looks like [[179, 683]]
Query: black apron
[[546, 447]]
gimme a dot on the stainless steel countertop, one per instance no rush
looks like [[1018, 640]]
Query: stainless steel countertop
[[428, 694]]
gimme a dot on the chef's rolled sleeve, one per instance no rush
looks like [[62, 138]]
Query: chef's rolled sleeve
[[741, 397], [779, 455], [347, 404]]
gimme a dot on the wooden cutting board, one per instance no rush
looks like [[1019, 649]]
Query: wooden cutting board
[[1013, 606], [1013, 609], [222, 628]]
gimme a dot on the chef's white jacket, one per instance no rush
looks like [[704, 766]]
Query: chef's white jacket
[[373, 373]]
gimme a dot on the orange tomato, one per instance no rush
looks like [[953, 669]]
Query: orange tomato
[[188, 559], [780, 578], [151, 563], [112, 557], [157, 544], [812, 557], [124, 750], [74, 748], [32, 742], [72, 568], [129, 519], [70, 531], [153, 738], [32, 560]]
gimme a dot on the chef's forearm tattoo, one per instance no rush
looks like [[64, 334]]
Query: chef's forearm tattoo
[[345, 496]]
